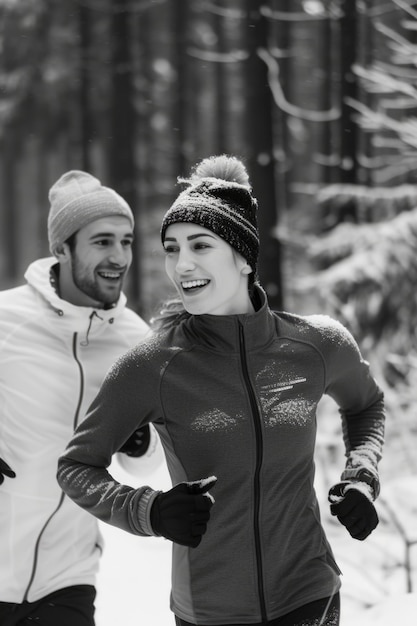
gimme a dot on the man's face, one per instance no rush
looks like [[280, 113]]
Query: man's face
[[93, 272]]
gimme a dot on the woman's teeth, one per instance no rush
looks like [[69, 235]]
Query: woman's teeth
[[192, 284]]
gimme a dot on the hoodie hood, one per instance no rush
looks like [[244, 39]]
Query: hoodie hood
[[38, 277]]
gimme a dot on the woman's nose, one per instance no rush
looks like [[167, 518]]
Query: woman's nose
[[185, 262]]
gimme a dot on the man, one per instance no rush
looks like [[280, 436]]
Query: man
[[59, 334]]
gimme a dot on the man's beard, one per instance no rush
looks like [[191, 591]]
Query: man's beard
[[90, 287]]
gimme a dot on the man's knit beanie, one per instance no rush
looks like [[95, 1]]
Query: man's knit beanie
[[219, 197], [78, 198]]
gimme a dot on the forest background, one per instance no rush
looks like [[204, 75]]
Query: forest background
[[318, 97]]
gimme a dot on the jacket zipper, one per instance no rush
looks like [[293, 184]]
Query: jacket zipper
[[62, 497], [259, 457]]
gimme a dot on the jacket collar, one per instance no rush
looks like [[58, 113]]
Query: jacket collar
[[38, 277], [224, 333]]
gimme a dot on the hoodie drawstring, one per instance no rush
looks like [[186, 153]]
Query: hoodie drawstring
[[93, 314]]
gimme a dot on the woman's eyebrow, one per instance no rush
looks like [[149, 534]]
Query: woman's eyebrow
[[191, 237], [200, 235]]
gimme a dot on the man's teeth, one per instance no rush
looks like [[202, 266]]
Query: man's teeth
[[190, 284], [110, 274]]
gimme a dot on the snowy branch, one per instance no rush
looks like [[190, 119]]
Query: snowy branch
[[395, 36], [300, 16], [406, 7], [385, 81], [218, 57], [371, 120], [229, 12], [281, 101]]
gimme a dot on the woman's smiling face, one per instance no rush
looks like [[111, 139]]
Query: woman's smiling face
[[209, 275]]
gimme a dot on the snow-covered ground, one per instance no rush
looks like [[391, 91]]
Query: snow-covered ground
[[134, 579]]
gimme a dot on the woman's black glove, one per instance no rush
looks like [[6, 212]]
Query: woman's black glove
[[354, 510], [138, 442], [5, 470], [181, 514]]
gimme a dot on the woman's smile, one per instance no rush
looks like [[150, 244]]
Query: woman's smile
[[210, 276], [191, 287]]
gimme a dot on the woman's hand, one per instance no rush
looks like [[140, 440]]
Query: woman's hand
[[353, 509], [182, 513]]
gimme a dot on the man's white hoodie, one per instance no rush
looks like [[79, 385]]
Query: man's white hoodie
[[53, 357]]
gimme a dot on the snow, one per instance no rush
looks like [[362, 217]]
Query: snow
[[134, 579], [400, 610]]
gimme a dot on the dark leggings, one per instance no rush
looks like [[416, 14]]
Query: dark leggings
[[325, 612], [73, 606]]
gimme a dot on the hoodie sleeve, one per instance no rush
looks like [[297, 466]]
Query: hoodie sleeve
[[127, 400], [360, 399]]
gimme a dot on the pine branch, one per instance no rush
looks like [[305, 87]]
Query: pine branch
[[365, 204], [370, 283]]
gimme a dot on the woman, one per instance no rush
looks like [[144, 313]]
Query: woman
[[232, 389]]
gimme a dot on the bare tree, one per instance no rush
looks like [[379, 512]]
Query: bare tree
[[86, 115], [348, 127], [259, 125], [123, 123]]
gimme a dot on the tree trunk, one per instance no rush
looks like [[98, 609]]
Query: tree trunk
[[327, 59], [259, 126], [281, 34], [121, 158], [349, 89], [9, 234], [366, 51], [180, 20], [203, 86], [85, 84]]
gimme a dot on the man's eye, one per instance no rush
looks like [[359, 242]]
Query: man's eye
[[127, 243]]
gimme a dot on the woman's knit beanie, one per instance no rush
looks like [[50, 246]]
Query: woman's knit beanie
[[219, 197], [78, 198]]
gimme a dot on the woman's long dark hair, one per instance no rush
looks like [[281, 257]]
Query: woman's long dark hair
[[170, 314]]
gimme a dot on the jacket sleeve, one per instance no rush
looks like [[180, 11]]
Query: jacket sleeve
[[361, 402], [125, 402]]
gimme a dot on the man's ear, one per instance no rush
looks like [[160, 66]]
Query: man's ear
[[63, 253]]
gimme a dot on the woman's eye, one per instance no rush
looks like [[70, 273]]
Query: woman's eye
[[201, 246], [170, 249]]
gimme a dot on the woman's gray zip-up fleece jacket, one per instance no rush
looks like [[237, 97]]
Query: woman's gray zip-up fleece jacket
[[53, 357], [235, 397]]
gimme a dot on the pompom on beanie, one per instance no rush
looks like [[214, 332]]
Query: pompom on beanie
[[78, 198], [219, 197]]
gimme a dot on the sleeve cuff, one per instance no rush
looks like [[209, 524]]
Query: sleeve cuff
[[144, 511], [365, 478]]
